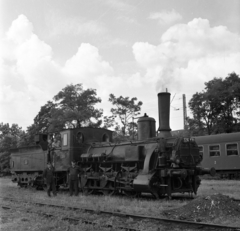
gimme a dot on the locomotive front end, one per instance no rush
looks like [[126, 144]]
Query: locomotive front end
[[177, 161], [156, 163]]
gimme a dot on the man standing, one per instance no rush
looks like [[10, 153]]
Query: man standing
[[73, 178], [56, 142], [56, 145], [48, 175]]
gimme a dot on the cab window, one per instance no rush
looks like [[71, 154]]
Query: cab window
[[105, 138], [80, 138], [65, 139]]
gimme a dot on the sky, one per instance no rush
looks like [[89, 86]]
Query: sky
[[130, 48]]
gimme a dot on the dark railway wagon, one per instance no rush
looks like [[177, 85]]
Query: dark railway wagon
[[222, 152], [156, 163], [28, 163]]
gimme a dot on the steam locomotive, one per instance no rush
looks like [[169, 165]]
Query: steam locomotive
[[156, 163]]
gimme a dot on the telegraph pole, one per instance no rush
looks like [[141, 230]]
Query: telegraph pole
[[184, 113]]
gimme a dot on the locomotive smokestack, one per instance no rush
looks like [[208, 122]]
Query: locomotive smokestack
[[164, 114]]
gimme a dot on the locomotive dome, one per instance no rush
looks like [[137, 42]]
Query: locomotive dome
[[146, 127]]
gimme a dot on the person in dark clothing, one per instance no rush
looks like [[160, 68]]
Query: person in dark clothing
[[48, 175], [73, 178]]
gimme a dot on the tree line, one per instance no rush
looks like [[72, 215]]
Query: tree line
[[214, 110], [72, 107]]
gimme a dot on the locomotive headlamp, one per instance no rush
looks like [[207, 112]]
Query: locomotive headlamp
[[177, 161], [174, 159]]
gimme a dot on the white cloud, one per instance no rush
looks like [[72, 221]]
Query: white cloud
[[20, 27], [189, 55], [30, 77], [87, 62], [166, 17]]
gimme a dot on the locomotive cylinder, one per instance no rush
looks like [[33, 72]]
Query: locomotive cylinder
[[164, 114], [146, 127]]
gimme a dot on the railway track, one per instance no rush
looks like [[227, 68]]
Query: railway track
[[162, 221], [73, 219]]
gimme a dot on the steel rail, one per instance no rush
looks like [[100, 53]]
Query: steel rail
[[119, 214], [74, 219]]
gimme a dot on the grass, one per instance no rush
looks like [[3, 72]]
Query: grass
[[227, 187], [22, 221], [112, 203]]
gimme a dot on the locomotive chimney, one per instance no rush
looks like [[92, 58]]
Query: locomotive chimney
[[164, 114]]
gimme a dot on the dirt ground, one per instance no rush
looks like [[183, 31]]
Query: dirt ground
[[207, 209]]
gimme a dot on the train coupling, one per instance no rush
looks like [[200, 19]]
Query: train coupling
[[203, 171]]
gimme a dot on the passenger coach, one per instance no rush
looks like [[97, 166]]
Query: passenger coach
[[221, 151]]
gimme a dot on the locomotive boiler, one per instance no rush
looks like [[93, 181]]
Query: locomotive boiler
[[156, 163]]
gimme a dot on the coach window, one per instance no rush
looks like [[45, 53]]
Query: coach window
[[65, 139], [214, 150], [232, 149], [105, 138], [80, 138]]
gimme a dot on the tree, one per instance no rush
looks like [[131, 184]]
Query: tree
[[28, 138], [109, 121], [215, 110], [42, 120], [9, 138], [75, 107], [125, 108], [72, 107], [203, 114]]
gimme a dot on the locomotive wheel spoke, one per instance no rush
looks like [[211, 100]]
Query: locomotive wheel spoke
[[108, 189], [87, 191], [107, 192], [130, 193], [44, 187]]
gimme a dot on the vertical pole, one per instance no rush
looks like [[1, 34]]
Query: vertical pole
[[132, 128], [184, 113]]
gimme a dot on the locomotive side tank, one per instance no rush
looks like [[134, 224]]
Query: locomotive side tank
[[160, 165]]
